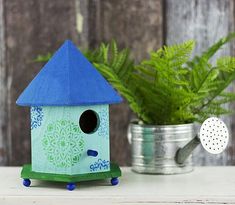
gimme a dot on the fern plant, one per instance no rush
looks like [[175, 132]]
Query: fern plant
[[169, 87]]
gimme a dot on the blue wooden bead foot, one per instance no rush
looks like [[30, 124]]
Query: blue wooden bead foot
[[26, 182], [114, 181], [71, 186]]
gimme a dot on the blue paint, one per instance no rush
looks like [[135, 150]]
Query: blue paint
[[26, 182], [92, 153], [71, 186], [68, 79], [104, 123], [114, 181], [36, 117], [100, 165]]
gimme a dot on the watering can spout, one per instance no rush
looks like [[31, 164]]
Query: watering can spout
[[183, 153]]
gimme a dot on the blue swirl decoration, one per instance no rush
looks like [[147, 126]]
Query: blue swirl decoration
[[104, 123], [100, 165], [36, 117]]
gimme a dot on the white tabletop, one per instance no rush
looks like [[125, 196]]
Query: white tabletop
[[212, 185]]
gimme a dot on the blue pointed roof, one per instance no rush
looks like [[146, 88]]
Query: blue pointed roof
[[68, 79]]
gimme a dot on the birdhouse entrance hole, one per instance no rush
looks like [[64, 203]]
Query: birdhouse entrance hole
[[89, 121]]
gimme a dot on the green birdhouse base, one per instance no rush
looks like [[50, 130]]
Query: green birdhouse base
[[28, 174]]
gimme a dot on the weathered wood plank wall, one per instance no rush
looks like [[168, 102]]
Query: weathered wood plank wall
[[28, 28], [3, 92], [31, 27]]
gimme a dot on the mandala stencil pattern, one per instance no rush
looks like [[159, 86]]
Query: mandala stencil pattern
[[36, 117], [63, 143], [103, 129]]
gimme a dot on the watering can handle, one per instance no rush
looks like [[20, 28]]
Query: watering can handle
[[183, 153]]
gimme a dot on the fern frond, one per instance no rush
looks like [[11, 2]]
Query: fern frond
[[218, 45], [226, 64]]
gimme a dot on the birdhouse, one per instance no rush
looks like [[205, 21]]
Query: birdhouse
[[69, 106]]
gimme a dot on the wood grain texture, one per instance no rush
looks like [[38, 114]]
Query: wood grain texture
[[82, 22], [31, 28], [231, 149], [135, 24], [206, 22], [3, 91]]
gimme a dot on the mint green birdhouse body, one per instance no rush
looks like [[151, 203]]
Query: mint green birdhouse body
[[61, 137]]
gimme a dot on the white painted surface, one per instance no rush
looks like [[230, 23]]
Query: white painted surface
[[210, 185]]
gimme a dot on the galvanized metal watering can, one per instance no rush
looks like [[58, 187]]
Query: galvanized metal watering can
[[167, 149]]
